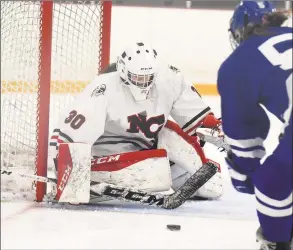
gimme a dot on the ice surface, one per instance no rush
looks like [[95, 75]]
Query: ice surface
[[229, 223], [110, 227]]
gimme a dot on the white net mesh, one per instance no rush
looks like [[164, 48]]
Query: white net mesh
[[76, 47]]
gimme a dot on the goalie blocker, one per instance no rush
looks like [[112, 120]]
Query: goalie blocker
[[148, 170]]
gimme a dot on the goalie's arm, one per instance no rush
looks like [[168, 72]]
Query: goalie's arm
[[190, 111], [84, 120]]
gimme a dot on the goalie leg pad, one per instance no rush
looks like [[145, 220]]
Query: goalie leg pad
[[74, 165], [188, 156], [182, 149], [147, 170]]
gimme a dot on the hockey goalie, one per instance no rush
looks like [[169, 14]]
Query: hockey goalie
[[117, 131]]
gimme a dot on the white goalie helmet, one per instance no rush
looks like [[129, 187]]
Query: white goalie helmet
[[138, 68]]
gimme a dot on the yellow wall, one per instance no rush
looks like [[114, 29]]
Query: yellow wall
[[63, 87]]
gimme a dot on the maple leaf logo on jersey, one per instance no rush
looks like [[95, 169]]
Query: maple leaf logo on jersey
[[100, 90]]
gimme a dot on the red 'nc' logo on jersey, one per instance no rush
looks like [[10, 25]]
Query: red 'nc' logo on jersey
[[149, 127]]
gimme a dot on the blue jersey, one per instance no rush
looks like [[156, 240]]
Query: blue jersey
[[258, 72]]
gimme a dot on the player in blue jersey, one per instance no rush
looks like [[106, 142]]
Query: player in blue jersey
[[259, 74]]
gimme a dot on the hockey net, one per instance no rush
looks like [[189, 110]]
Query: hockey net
[[50, 50]]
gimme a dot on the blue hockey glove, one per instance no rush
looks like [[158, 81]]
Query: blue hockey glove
[[241, 182]]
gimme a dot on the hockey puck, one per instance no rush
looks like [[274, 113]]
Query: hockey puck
[[174, 227]]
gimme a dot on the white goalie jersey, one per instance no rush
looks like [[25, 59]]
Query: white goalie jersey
[[106, 116]]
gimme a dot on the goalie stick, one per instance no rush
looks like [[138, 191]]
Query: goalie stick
[[171, 201]]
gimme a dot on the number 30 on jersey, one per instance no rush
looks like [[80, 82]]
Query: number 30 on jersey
[[75, 120]]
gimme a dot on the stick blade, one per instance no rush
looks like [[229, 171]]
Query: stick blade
[[195, 182]]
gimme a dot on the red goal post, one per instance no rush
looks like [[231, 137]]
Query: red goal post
[[50, 50]]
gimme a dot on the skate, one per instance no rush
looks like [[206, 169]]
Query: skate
[[268, 245]]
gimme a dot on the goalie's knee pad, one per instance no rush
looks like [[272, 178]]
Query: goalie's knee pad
[[188, 156], [147, 170]]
